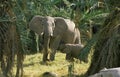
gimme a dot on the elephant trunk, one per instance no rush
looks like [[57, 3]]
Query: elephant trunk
[[46, 47], [48, 31]]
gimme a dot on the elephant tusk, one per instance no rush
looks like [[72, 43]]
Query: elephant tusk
[[51, 34], [42, 33]]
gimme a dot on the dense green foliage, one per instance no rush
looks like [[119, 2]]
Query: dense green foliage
[[107, 48], [85, 13]]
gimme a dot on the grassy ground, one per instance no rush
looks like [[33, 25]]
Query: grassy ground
[[34, 67]]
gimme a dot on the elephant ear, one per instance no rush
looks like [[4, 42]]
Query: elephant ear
[[36, 24], [60, 26]]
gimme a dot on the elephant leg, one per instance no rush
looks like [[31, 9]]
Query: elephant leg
[[54, 46], [69, 57], [52, 55], [45, 55], [46, 47]]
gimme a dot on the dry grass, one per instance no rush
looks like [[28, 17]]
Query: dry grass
[[34, 67]]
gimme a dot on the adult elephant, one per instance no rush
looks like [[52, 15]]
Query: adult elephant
[[43, 25], [64, 32], [59, 28]]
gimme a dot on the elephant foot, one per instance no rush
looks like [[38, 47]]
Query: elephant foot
[[44, 60], [48, 60], [45, 55], [52, 56], [52, 59], [68, 57]]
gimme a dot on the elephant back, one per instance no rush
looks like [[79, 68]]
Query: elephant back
[[62, 25], [36, 24], [70, 24]]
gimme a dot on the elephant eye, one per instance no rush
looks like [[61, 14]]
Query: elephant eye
[[53, 25]]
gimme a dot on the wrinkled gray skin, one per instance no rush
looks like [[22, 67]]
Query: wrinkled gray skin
[[72, 50], [112, 72], [64, 31], [43, 25]]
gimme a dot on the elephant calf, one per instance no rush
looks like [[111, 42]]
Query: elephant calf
[[72, 50], [112, 72]]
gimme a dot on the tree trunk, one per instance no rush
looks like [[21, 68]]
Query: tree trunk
[[9, 45], [107, 48]]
